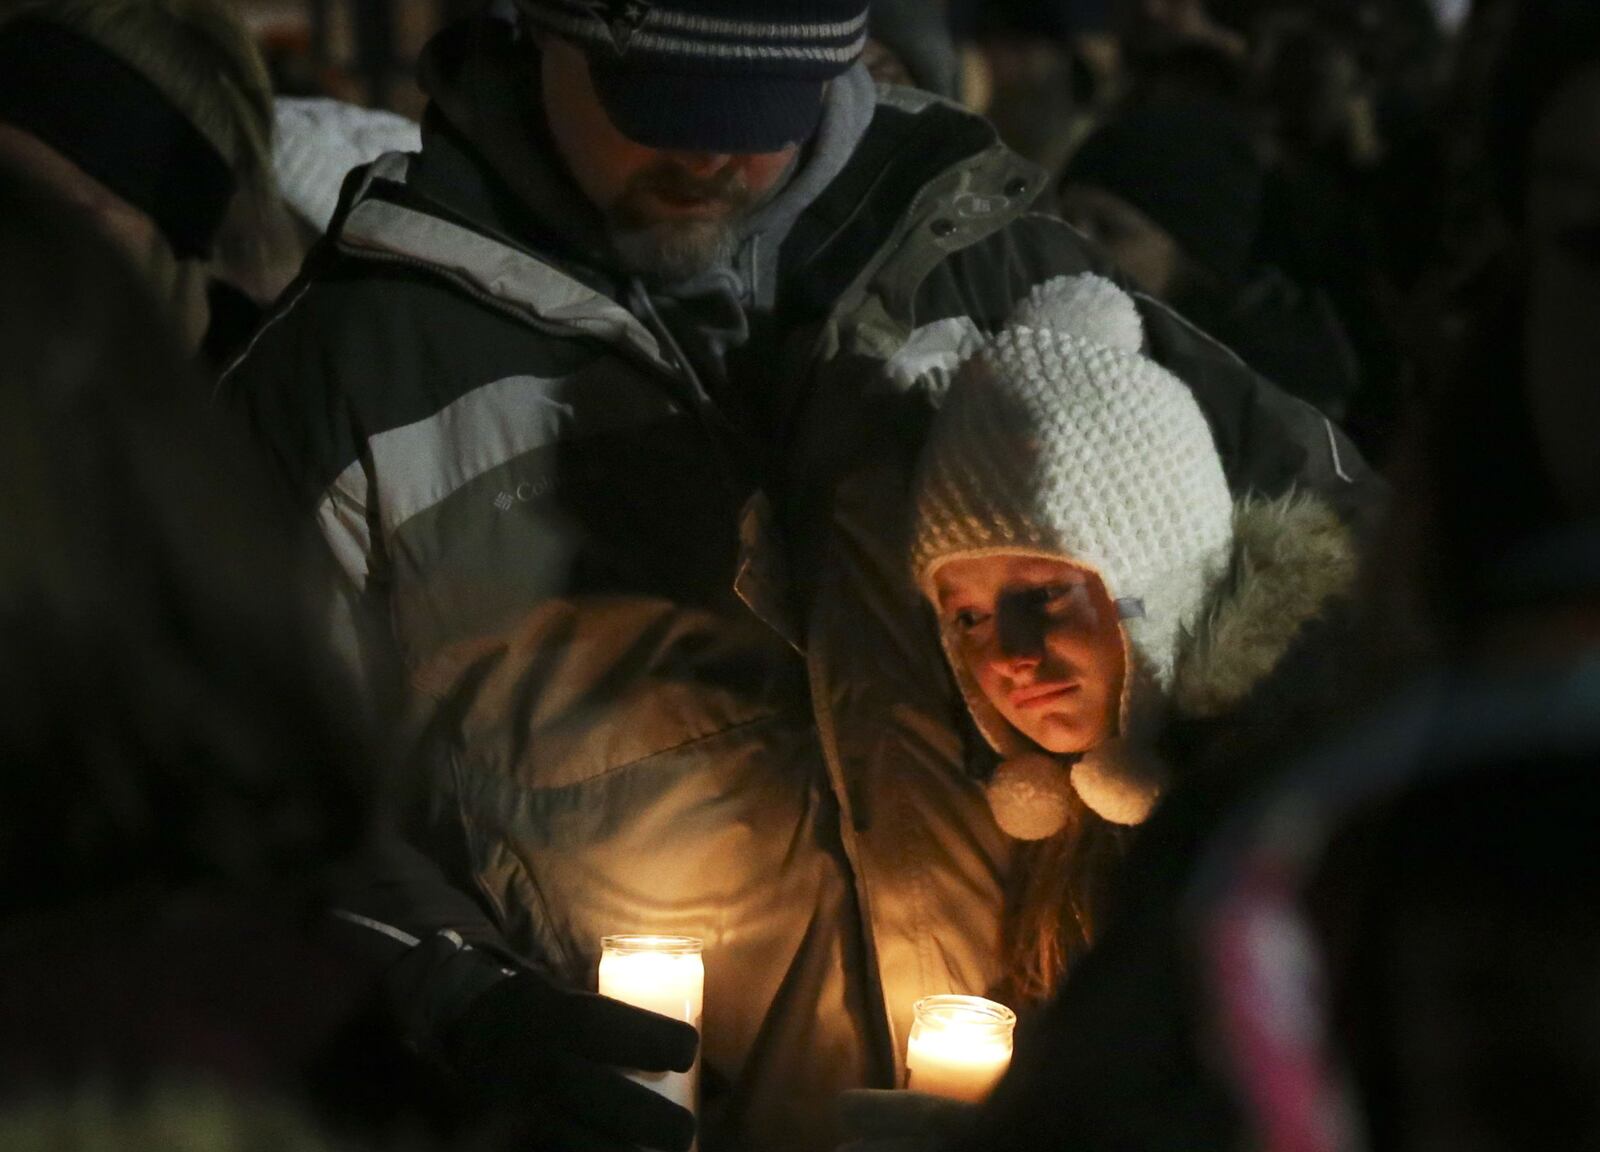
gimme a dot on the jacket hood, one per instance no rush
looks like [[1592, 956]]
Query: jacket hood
[[482, 88], [1292, 558]]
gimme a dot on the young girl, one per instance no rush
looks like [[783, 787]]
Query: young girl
[[1095, 580]]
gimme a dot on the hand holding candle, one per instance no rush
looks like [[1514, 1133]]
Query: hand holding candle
[[960, 1046], [663, 974], [555, 1057]]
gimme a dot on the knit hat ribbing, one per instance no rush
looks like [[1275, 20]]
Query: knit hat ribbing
[[1060, 440], [733, 76]]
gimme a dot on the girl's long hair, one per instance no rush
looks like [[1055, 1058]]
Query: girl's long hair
[[1056, 903]]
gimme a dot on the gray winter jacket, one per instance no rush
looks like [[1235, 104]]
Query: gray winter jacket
[[669, 664]]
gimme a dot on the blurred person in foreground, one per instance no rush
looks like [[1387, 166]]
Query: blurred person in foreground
[[154, 117], [183, 774], [607, 404], [1398, 948], [1454, 836]]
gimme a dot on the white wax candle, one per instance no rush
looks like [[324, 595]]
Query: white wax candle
[[663, 974], [960, 1046]]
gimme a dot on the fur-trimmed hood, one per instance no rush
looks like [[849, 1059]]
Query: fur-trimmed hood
[[1292, 558]]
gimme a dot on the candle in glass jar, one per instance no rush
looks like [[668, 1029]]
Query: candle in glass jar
[[662, 974], [960, 1046]]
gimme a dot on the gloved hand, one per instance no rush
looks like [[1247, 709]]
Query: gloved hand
[[554, 1056], [876, 1120]]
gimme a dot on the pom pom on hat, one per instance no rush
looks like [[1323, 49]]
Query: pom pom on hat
[[1117, 783], [1089, 307], [1030, 796]]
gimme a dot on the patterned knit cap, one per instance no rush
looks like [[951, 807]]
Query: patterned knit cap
[[1059, 439], [734, 76]]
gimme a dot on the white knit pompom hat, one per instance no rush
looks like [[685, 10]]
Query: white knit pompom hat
[[1059, 439]]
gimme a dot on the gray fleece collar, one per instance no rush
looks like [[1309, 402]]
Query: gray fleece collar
[[846, 115]]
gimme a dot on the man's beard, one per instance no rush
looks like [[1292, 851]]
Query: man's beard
[[672, 251], [666, 249]]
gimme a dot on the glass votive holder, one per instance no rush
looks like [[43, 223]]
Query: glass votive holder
[[959, 1047], [662, 974]]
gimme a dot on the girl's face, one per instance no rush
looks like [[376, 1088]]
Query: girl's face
[[1043, 642]]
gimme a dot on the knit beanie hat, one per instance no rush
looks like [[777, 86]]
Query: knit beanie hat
[[716, 76], [1191, 168], [1059, 439]]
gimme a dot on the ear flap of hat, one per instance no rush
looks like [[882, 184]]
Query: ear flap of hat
[[1121, 779]]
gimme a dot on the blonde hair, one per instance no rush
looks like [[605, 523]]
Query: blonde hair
[[1056, 901], [198, 54]]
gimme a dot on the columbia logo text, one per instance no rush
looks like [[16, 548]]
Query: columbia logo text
[[527, 490]]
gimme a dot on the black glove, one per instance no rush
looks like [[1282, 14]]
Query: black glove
[[552, 1055]]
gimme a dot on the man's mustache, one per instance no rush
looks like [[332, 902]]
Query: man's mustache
[[674, 183], [639, 204]]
